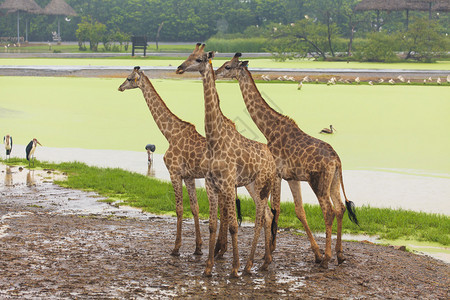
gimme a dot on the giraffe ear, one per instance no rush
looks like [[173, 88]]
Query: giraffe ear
[[210, 54], [244, 64], [238, 54], [137, 68]]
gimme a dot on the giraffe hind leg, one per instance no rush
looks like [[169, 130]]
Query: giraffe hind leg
[[190, 185], [340, 210]]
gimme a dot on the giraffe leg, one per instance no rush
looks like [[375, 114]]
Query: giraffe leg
[[213, 202], [268, 216], [259, 210], [340, 210], [233, 227], [321, 187], [190, 185], [301, 215], [178, 189], [222, 241], [275, 204]]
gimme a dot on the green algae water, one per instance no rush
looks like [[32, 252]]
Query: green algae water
[[396, 128]]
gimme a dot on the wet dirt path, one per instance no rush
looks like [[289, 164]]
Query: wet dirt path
[[60, 243]]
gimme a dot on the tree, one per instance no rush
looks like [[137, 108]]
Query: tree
[[422, 41], [92, 31], [303, 38]]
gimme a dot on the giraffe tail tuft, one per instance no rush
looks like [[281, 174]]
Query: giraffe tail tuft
[[351, 211]]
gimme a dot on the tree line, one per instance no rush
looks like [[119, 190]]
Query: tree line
[[285, 22]]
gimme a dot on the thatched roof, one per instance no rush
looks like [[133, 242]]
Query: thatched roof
[[21, 5], [394, 5], [59, 7]]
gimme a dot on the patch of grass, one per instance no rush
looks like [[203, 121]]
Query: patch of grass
[[155, 196]]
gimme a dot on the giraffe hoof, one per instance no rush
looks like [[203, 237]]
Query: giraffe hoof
[[198, 252], [341, 259], [207, 273], [175, 253], [234, 274], [324, 264]]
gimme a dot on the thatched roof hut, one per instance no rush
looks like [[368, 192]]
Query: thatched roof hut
[[28, 6], [60, 8], [390, 5]]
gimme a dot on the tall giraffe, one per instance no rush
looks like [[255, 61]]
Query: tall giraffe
[[298, 157], [186, 156], [234, 161]]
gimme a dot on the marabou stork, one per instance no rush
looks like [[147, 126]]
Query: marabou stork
[[150, 149], [7, 140], [31, 147], [328, 130]]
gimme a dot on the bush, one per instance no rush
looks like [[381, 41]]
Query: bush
[[379, 47]]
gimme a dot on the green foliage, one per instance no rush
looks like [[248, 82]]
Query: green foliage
[[237, 45], [155, 196], [91, 31], [301, 39], [379, 47], [422, 41]]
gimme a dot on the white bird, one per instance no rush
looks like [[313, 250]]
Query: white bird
[[280, 78], [448, 78], [430, 79], [306, 78], [357, 80], [317, 80], [408, 82], [370, 82], [265, 77], [290, 78], [391, 81], [438, 81], [7, 140], [424, 81], [381, 80], [300, 85], [31, 147], [401, 78]]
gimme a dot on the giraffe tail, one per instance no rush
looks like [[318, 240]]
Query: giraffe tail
[[349, 204], [239, 213], [274, 226]]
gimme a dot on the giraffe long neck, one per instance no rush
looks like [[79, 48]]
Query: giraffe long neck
[[265, 117], [214, 118], [166, 121]]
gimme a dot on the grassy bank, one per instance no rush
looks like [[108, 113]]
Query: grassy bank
[[155, 196]]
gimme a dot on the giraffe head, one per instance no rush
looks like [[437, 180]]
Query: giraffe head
[[197, 61], [133, 80], [231, 68]]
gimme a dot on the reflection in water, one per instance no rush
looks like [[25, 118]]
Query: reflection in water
[[150, 170], [30, 178], [8, 177]]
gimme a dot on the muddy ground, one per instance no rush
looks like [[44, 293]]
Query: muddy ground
[[64, 244]]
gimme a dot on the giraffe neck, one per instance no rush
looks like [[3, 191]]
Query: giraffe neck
[[265, 117], [166, 121], [214, 118]]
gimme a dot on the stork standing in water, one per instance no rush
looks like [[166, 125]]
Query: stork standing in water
[[31, 147], [7, 140], [328, 130], [150, 149]]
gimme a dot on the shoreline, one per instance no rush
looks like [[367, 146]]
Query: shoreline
[[376, 188]]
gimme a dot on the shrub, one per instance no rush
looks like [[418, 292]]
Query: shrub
[[379, 47], [237, 45]]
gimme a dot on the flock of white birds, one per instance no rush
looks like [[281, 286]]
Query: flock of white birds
[[357, 80]]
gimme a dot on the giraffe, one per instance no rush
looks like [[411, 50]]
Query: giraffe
[[298, 157], [186, 156], [234, 161]]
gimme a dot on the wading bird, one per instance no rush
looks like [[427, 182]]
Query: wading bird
[[328, 130], [31, 147], [7, 140], [300, 85], [150, 149]]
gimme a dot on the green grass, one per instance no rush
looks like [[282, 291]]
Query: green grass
[[155, 196]]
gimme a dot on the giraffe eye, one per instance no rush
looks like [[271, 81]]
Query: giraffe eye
[[128, 79], [198, 60], [227, 67]]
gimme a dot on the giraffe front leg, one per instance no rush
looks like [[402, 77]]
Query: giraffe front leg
[[178, 190], [190, 185], [213, 199], [258, 219], [233, 227], [222, 241]]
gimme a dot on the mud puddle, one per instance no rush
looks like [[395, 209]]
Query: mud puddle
[[64, 244]]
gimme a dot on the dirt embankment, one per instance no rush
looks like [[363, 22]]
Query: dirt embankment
[[59, 243]]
